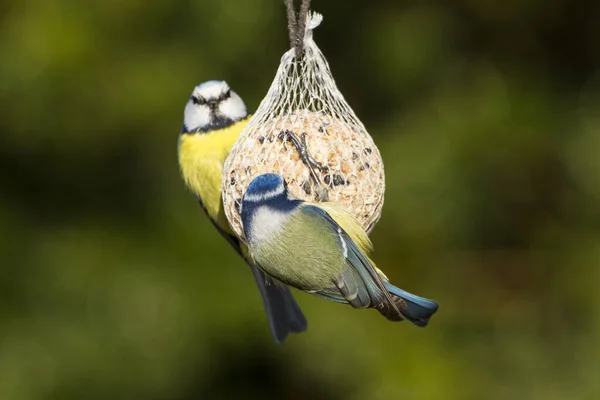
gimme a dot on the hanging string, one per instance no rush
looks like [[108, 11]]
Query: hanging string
[[296, 30], [297, 25]]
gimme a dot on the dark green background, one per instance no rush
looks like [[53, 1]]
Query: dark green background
[[115, 286]]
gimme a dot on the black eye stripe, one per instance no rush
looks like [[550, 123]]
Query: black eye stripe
[[198, 100], [201, 100], [224, 95]]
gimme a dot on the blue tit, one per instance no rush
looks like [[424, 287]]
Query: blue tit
[[321, 249], [214, 117]]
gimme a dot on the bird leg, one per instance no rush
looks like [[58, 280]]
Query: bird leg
[[307, 159], [302, 148]]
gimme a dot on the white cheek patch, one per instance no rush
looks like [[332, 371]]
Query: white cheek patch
[[196, 116], [266, 222], [233, 107]]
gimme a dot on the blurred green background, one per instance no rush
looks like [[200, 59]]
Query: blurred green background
[[115, 285]]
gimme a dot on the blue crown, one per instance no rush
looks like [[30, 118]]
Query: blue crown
[[265, 183]]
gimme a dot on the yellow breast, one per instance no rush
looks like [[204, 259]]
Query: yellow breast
[[201, 159]]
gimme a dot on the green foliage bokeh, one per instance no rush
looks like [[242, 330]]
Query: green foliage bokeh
[[116, 286]]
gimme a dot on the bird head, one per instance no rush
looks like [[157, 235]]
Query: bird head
[[212, 105], [267, 196]]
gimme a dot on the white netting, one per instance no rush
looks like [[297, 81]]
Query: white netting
[[303, 99]]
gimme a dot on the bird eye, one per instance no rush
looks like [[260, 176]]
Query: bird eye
[[198, 100]]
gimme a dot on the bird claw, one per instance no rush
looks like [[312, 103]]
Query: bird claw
[[302, 148], [307, 159]]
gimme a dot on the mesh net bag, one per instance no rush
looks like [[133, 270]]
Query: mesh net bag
[[304, 106]]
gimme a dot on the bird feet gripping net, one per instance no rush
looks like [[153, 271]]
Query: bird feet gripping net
[[305, 131]]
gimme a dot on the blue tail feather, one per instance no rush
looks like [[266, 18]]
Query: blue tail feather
[[283, 313], [418, 309]]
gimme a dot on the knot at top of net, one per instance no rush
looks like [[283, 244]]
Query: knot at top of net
[[300, 28]]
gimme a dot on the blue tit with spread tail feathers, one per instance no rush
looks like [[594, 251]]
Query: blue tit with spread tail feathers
[[321, 249], [214, 117]]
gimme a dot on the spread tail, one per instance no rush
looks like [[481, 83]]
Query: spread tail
[[417, 310]]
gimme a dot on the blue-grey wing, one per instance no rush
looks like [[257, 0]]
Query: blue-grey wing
[[358, 284]]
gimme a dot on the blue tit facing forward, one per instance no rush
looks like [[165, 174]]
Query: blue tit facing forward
[[321, 249], [214, 117]]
